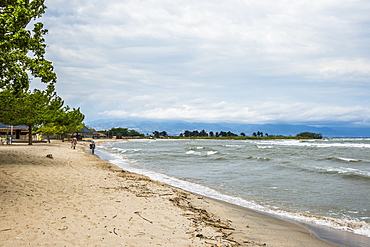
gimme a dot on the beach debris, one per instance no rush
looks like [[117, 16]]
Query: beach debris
[[50, 156], [145, 194], [201, 217], [63, 228], [205, 226], [254, 243], [140, 234], [167, 194], [138, 213]]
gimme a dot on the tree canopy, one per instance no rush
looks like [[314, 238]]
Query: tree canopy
[[121, 132], [22, 58], [42, 109], [22, 49], [309, 135]]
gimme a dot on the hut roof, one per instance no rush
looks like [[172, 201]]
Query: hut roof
[[15, 127], [85, 130]]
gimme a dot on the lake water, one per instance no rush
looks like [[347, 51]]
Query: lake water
[[321, 182]]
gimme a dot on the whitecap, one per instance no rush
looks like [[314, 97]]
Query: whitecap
[[211, 152], [348, 159], [264, 147], [345, 171], [193, 152]]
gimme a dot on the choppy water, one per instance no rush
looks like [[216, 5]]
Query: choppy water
[[325, 182]]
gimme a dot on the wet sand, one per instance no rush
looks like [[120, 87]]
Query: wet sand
[[72, 198]]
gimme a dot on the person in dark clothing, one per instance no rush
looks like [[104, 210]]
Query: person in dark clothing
[[92, 147]]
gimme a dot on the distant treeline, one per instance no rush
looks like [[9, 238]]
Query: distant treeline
[[121, 132], [309, 135], [229, 134], [124, 132]]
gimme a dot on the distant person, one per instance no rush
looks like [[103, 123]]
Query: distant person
[[74, 142], [92, 147]]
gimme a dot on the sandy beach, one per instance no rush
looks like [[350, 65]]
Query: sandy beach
[[53, 195]]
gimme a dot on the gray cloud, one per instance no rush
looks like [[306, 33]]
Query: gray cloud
[[211, 60]]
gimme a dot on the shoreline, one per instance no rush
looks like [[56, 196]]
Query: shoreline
[[76, 199], [325, 233], [331, 236]]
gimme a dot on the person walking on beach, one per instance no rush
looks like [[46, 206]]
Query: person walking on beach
[[92, 147], [74, 143]]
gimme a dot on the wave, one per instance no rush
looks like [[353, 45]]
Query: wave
[[263, 159], [345, 171], [212, 152], [354, 226], [233, 145], [193, 152], [206, 153], [342, 171], [257, 158], [264, 147], [312, 143], [344, 159], [121, 150]]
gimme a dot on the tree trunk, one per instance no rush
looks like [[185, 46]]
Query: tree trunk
[[29, 134]]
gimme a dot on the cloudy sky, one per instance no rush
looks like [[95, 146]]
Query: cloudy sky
[[210, 60]]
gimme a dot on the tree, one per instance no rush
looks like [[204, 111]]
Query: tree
[[134, 133], [163, 133], [66, 121], [41, 109], [187, 133], [117, 132], [156, 134], [195, 133], [24, 108], [22, 51], [229, 134], [222, 134], [309, 135], [121, 132], [203, 133]]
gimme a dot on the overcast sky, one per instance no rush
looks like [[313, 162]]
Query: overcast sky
[[246, 61]]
